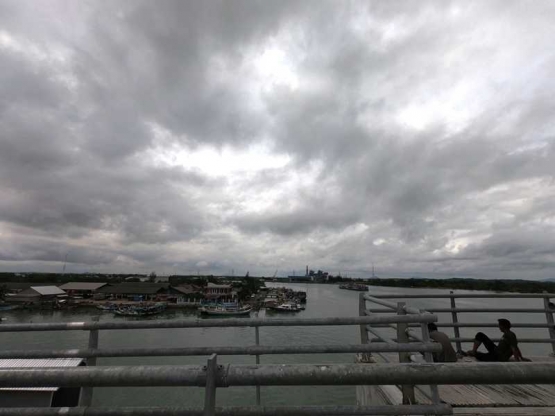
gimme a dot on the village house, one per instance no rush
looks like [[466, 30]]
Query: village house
[[218, 293], [186, 295], [38, 294], [85, 289], [136, 291]]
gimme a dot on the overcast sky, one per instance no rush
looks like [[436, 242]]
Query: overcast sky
[[211, 136]]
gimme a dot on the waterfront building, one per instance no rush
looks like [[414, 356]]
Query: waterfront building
[[186, 295], [38, 294], [220, 293], [85, 289], [136, 291]]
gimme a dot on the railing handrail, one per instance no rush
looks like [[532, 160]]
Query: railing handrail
[[392, 305], [214, 323], [422, 409], [205, 351], [494, 339], [474, 310], [463, 295], [475, 325], [283, 375]]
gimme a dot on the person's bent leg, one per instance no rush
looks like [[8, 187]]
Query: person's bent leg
[[488, 343]]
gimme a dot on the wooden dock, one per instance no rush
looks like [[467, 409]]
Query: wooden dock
[[469, 399]]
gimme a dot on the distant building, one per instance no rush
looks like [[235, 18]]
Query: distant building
[[86, 289], [15, 287], [38, 294], [186, 295], [219, 293], [300, 279], [137, 291]]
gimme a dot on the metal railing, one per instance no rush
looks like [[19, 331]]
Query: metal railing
[[210, 376], [547, 308], [406, 334], [403, 335], [213, 376], [406, 374]]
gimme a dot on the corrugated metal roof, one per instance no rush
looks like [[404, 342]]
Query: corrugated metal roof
[[215, 286], [134, 288], [187, 289], [82, 285], [35, 363], [48, 290]]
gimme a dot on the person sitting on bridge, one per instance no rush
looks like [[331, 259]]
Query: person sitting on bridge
[[448, 353], [507, 347]]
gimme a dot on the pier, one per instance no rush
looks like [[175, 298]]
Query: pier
[[392, 375]]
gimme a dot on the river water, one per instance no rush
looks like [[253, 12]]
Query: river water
[[323, 301]]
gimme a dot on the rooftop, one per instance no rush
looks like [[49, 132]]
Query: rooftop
[[48, 290], [82, 286], [134, 288]]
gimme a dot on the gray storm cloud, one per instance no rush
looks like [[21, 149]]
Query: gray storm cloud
[[186, 136]]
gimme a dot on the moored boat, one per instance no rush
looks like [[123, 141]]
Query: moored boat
[[354, 286], [225, 311], [107, 307], [285, 307], [143, 310]]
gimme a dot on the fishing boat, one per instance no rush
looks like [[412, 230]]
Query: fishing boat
[[225, 311], [143, 310], [285, 307], [354, 286], [108, 307]]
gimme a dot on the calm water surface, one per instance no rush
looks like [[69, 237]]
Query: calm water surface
[[323, 301]]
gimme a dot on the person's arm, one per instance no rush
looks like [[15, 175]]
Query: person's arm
[[517, 354]]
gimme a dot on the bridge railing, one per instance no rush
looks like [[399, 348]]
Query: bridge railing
[[213, 376], [406, 334], [403, 335], [547, 308], [123, 376]]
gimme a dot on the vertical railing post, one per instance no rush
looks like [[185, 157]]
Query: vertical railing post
[[85, 400], [549, 319], [210, 390], [404, 357], [362, 312], [430, 359], [455, 320], [257, 339]]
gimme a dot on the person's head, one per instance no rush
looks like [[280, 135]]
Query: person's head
[[432, 327], [504, 325]]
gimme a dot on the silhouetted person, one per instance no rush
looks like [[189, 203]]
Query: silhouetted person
[[448, 354], [507, 347]]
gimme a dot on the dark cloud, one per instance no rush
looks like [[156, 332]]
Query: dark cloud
[[181, 136]]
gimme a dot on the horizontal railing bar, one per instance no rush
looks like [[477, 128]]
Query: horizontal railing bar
[[471, 325], [469, 295], [391, 305], [211, 323], [283, 375], [520, 340], [247, 350], [440, 409], [473, 310]]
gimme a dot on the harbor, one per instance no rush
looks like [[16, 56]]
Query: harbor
[[324, 301]]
